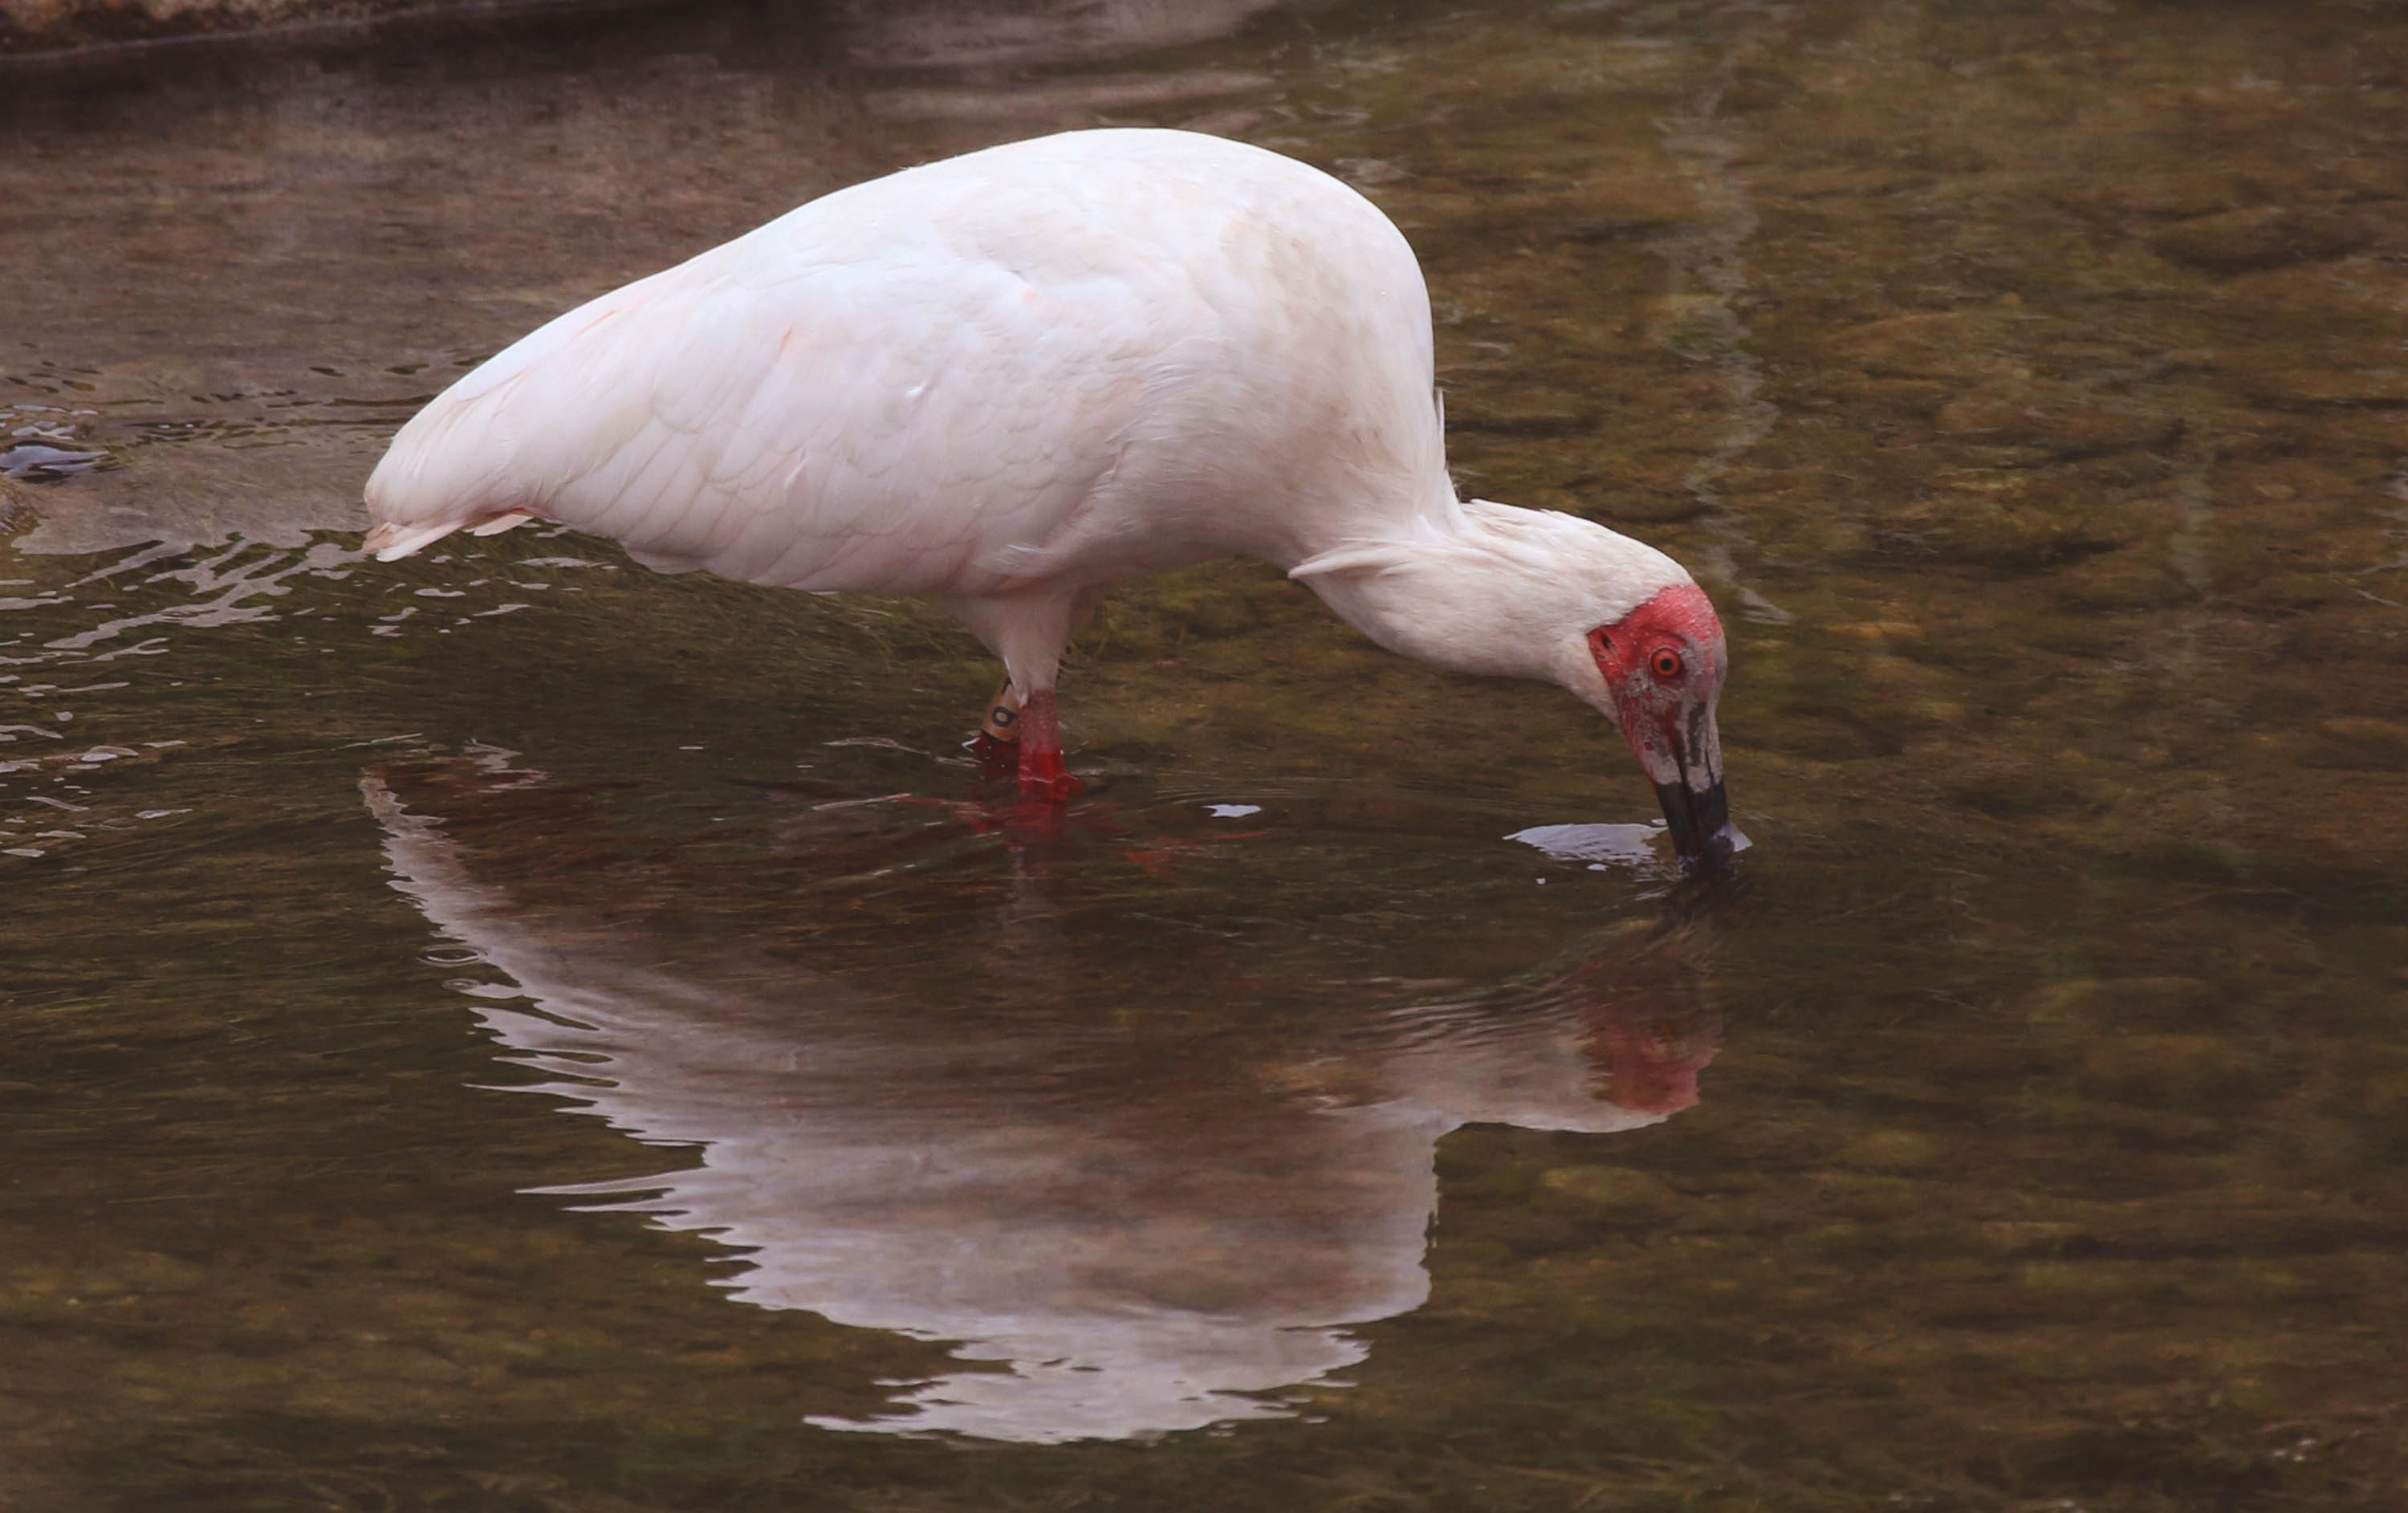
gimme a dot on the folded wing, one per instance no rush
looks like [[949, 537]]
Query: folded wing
[[786, 412]]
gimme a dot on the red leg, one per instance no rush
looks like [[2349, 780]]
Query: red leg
[[1042, 776]]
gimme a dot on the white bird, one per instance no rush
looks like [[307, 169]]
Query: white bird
[[1009, 379]]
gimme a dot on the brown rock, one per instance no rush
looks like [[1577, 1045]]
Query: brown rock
[[2265, 237], [2028, 1237], [2359, 373], [1957, 344], [2089, 1001], [2140, 577], [2067, 423], [2186, 1072], [1627, 1195], [16, 512], [2014, 523], [1892, 1151]]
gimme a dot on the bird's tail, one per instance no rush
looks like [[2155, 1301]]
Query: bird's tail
[[451, 468], [392, 541]]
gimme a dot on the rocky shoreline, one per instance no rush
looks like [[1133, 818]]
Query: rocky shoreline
[[37, 28]]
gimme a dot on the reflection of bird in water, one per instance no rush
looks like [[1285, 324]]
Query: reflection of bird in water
[[1008, 381], [1141, 1234]]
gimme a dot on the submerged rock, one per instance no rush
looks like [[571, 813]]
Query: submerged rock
[[17, 513], [1631, 1195], [2062, 420], [2263, 236]]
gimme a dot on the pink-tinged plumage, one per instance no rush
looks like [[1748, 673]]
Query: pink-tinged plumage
[[1009, 380]]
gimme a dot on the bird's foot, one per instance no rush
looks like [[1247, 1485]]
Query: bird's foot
[[1045, 779], [1042, 776]]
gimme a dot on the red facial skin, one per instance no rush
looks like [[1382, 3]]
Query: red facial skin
[[1664, 662]]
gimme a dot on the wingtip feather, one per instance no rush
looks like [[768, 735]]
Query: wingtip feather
[[508, 520], [393, 541]]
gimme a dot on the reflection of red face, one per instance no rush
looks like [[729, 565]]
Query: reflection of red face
[[1651, 1068]]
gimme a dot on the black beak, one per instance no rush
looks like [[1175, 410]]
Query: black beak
[[1696, 810], [1700, 822]]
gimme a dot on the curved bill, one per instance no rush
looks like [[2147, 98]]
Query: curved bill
[[1696, 809]]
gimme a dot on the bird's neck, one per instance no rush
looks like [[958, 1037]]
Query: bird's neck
[[1488, 589]]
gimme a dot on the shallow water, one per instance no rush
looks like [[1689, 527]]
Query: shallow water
[[2023, 1129]]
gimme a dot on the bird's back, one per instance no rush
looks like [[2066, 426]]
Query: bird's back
[[1064, 360]]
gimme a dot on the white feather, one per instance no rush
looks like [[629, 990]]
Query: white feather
[[1009, 379]]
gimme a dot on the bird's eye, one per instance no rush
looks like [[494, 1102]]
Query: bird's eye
[[1666, 662]]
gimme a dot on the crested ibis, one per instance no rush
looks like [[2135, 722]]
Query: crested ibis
[[1008, 380]]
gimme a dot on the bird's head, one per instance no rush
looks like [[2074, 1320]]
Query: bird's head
[[1535, 594], [1661, 665]]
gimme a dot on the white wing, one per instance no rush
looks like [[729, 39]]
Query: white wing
[[911, 425], [1081, 357]]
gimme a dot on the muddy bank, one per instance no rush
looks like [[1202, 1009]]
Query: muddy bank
[[39, 26], [919, 33]]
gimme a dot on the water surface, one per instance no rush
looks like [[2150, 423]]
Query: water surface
[[508, 1030]]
